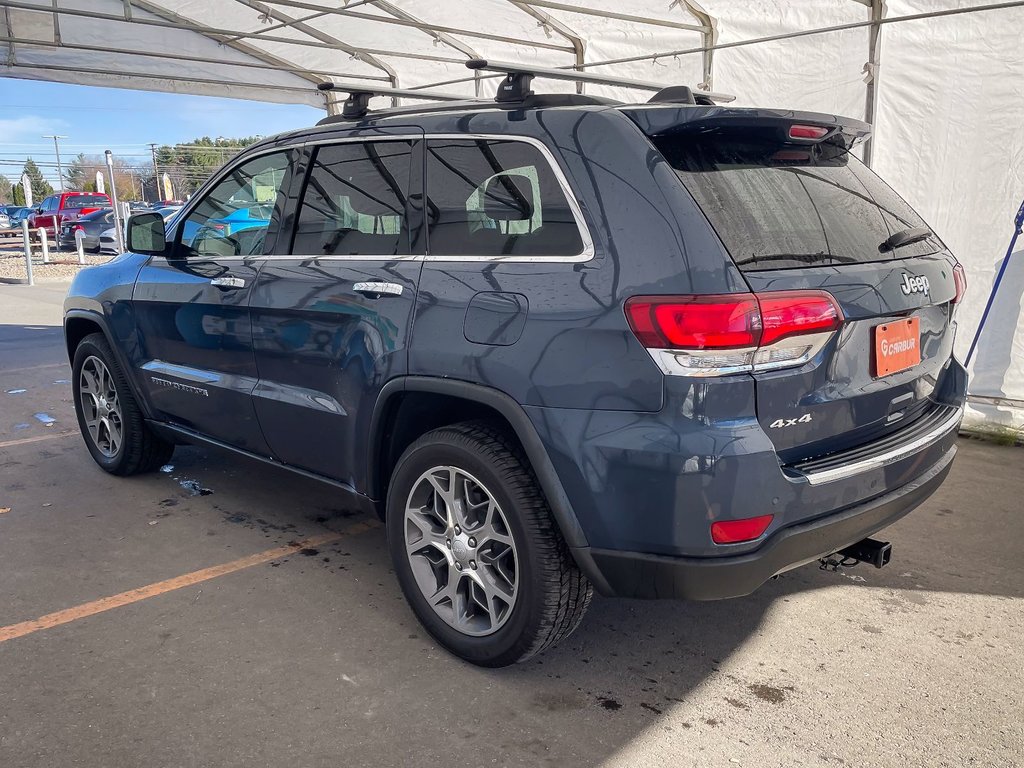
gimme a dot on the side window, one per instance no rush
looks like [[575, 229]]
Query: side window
[[355, 201], [494, 198], [233, 218]]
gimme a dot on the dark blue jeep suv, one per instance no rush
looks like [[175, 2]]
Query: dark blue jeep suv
[[558, 343]]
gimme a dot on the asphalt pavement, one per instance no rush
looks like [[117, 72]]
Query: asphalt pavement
[[223, 613]]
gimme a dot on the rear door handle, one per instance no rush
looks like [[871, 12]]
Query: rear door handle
[[374, 289], [228, 282]]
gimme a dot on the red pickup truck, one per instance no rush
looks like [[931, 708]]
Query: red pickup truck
[[65, 206]]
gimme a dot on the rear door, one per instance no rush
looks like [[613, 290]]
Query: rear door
[[195, 351], [809, 215], [331, 318]]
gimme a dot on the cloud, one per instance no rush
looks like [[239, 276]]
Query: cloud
[[29, 129]]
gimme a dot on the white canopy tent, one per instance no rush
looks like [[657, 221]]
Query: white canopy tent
[[942, 81]]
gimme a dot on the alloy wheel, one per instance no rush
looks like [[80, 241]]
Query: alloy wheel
[[100, 406], [461, 550]]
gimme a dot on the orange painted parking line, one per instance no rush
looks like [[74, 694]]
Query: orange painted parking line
[[36, 439], [68, 615], [36, 368]]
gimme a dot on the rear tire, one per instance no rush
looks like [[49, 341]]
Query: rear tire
[[493, 582], [109, 416]]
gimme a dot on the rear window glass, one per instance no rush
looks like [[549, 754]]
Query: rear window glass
[[85, 201], [495, 198], [778, 206]]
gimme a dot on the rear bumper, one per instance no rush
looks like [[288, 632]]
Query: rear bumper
[[640, 575]]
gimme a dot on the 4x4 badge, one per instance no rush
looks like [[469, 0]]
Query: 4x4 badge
[[914, 284], [790, 422]]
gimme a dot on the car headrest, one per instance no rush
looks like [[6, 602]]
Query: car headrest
[[508, 197]]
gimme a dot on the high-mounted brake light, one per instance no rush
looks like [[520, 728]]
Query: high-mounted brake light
[[960, 281], [733, 333], [807, 131], [735, 531]]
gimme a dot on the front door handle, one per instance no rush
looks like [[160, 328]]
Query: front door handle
[[374, 289], [228, 282]]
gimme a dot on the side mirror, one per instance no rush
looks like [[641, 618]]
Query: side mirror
[[145, 233]]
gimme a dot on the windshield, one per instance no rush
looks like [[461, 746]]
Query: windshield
[[781, 205]]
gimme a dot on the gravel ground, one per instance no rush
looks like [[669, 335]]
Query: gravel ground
[[63, 264]]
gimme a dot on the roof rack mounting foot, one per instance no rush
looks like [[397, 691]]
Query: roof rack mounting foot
[[356, 105], [515, 87]]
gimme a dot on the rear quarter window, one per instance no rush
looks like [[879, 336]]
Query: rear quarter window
[[494, 198]]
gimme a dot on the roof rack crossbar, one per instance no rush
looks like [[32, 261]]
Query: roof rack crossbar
[[357, 104], [519, 75]]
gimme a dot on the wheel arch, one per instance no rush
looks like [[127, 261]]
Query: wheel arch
[[79, 323], [389, 436]]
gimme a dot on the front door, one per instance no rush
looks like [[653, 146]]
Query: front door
[[331, 319], [195, 353]]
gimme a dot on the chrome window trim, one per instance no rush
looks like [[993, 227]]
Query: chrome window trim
[[586, 254], [888, 457]]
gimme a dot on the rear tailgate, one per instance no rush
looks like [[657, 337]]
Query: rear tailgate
[[798, 211]]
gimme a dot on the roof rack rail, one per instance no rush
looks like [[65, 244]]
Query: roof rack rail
[[358, 102], [516, 85]]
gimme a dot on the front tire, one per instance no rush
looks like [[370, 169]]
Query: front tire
[[109, 417], [477, 553]]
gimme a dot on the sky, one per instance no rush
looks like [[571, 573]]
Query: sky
[[123, 121]]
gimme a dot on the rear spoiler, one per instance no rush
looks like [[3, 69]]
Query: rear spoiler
[[664, 120]]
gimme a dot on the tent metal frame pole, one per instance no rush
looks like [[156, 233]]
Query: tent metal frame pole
[[154, 76], [213, 33], [1010, 4], [582, 11], [417, 23], [245, 48], [441, 37], [709, 35], [873, 69], [809, 32], [361, 53], [196, 59], [579, 45]]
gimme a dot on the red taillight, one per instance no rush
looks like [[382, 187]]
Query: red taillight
[[695, 322], [794, 313], [735, 531], [807, 131], [733, 333], [960, 281], [731, 321]]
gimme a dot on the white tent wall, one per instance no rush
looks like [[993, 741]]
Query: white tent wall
[[822, 72], [949, 136], [949, 126]]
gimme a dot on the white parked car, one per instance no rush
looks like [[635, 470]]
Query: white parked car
[[108, 242]]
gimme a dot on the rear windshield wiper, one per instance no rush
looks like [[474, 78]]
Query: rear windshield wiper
[[905, 237]]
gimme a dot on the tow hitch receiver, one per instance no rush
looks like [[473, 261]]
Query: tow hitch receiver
[[877, 553]]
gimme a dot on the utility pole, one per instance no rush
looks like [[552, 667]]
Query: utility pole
[[156, 174], [56, 148]]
